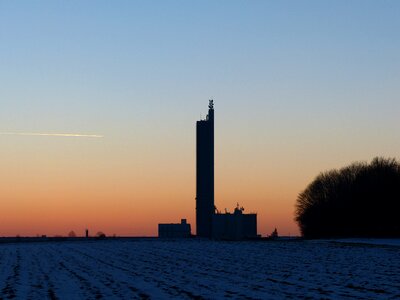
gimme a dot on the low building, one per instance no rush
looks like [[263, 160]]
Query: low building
[[236, 226], [174, 230]]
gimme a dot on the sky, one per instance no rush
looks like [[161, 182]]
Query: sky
[[300, 87]]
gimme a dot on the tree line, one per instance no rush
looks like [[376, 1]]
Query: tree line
[[359, 200]]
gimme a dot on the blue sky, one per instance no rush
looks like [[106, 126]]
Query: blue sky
[[97, 55]]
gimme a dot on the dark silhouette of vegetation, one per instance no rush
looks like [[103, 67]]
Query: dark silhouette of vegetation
[[100, 235], [360, 200], [72, 234]]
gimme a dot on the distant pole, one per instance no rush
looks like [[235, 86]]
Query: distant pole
[[87, 233]]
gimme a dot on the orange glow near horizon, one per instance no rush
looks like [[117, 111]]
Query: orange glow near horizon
[[125, 184], [52, 188]]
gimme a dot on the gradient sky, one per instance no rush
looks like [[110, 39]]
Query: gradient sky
[[299, 87]]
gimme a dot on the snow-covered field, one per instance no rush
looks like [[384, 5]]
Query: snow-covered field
[[387, 242], [163, 269]]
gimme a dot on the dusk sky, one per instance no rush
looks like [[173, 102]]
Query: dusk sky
[[299, 87]]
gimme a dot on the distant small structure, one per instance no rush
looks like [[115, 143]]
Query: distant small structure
[[274, 234], [100, 235], [87, 233], [236, 226], [71, 234], [174, 230]]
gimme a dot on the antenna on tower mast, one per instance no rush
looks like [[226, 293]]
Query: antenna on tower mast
[[211, 104]]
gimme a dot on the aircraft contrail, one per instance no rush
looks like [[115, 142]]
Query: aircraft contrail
[[53, 134]]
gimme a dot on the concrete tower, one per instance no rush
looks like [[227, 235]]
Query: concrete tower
[[205, 173]]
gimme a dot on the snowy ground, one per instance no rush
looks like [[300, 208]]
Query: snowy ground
[[157, 269], [387, 242]]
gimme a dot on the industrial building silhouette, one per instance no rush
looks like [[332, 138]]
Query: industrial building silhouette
[[210, 223], [179, 230], [205, 173]]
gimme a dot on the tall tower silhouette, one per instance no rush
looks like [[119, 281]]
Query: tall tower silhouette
[[205, 173]]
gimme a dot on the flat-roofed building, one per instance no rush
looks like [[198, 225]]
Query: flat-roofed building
[[174, 230]]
